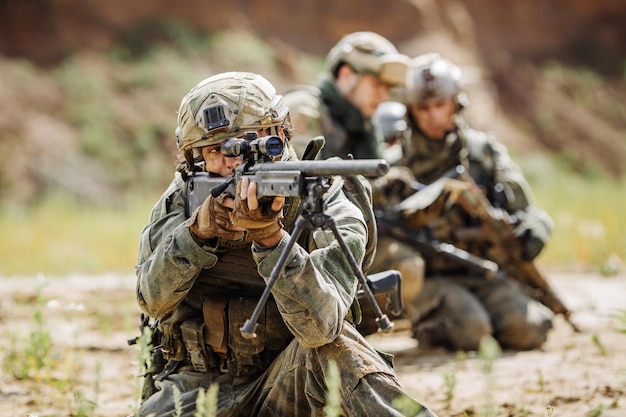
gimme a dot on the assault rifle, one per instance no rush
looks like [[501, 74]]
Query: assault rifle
[[423, 240], [506, 249], [500, 257], [308, 180]]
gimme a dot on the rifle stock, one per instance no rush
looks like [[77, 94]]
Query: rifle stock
[[528, 274], [524, 272]]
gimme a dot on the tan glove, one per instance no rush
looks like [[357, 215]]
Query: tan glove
[[534, 232], [260, 223], [394, 186], [212, 219]]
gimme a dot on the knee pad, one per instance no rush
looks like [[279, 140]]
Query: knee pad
[[412, 270]]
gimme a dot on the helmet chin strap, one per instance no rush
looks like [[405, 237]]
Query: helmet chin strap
[[189, 165]]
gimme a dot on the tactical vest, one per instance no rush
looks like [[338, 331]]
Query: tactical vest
[[226, 304], [202, 333]]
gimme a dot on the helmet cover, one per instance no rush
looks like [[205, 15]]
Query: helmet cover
[[431, 77], [369, 52], [227, 105]]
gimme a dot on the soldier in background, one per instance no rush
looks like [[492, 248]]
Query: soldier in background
[[456, 308], [361, 71], [201, 277]]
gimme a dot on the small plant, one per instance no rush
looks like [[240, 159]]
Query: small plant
[[206, 403], [489, 350], [407, 406], [540, 381], [449, 384], [449, 377], [612, 266], [144, 357], [619, 317], [333, 395], [37, 358], [596, 412], [595, 338], [84, 407], [178, 402]]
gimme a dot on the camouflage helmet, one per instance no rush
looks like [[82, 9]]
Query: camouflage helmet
[[227, 105], [369, 52], [431, 77]]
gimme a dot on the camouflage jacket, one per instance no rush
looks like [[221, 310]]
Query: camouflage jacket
[[313, 296], [486, 160], [323, 111], [498, 178]]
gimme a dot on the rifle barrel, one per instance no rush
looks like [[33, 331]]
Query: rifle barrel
[[344, 167]]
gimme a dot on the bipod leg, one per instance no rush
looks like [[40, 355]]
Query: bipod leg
[[249, 327], [384, 324]]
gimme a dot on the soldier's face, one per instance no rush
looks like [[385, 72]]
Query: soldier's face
[[217, 163], [364, 91], [435, 117]]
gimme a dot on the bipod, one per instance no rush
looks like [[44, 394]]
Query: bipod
[[313, 217]]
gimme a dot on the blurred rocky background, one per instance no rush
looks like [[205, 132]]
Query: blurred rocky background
[[89, 89]]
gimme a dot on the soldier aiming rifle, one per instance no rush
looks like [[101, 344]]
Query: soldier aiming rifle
[[203, 268]]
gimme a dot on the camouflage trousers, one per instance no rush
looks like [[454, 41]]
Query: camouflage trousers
[[455, 312], [294, 385]]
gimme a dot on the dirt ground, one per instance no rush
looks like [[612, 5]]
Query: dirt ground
[[91, 317]]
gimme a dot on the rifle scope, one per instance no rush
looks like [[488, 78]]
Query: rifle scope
[[267, 146]]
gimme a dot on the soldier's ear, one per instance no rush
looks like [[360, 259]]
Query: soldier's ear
[[346, 79], [280, 132]]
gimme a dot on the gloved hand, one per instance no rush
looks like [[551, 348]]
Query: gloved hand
[[212, 219], [531, 245], [533, 232], [397, 184], [260, 222]]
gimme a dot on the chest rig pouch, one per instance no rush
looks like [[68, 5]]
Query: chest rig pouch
[[223, 298]]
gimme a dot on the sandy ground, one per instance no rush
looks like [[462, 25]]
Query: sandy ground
[[91, 317]]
